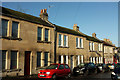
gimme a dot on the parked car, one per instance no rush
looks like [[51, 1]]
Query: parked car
[[102, 67], [115, 75], [111, 66], [85, 69], [55, 70]]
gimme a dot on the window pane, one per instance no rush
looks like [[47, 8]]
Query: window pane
[[61, 67], [3, 59], [65, 40], [46, 34], [66, 67], [59, 39], [76, 42], [59, 59], [65, 59], [39, 37], [15, 29], [13, 60], [4, 27], [38, 59], [80, 43], [46, 59]]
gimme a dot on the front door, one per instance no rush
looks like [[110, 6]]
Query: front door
[[71, 61], [27, 63]]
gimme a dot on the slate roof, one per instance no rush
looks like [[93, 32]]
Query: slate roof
[[108, 44], [70, 31], [23, 16]]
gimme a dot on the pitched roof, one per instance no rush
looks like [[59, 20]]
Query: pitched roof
[[23, 16], [73, 32], [108, 44]]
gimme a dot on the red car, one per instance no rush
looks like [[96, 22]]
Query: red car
[[55, 70]]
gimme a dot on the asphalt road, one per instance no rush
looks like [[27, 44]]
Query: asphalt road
[[99, 76]]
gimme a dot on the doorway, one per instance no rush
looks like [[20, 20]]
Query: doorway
[[27, 63]]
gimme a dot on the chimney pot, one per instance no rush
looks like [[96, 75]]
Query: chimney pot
[[44, 15], [75, 27], [94, 35]]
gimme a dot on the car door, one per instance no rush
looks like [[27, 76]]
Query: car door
[[61, 70], [67, 69]]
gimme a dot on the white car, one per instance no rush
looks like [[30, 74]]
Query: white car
[[111, 66]]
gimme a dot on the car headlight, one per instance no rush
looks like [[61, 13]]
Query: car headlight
[[38, 72], [113, 73], [47, 72]]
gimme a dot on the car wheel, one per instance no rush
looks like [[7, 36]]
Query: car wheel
[[54, 77], [68, 76], [95, 71], [103, 70]]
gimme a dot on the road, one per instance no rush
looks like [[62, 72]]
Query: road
[[99, 76]]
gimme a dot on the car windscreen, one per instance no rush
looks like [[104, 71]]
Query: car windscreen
[[52, 67], [81, 65]]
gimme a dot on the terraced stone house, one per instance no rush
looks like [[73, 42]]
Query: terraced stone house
[[29, 43]]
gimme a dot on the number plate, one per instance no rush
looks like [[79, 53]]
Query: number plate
[[42, 75]]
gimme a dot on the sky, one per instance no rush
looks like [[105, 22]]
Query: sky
[[91, 17]]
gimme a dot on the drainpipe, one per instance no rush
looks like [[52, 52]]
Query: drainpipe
[[103, 55], [55, 42]]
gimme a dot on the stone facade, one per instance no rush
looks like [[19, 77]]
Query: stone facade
[[26, 42], [63, 45]]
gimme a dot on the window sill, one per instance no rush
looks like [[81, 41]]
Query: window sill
[[44, 42], [79, 48], [10, 38], [63, 47], [10, 70]]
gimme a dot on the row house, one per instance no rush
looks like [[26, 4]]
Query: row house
[[73, 47], [95, 49], [29, 43], [108, 51]]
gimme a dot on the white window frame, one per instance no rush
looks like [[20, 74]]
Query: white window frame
[[66, 41], [81, 43], [61, 40], [101, 47], [77, 42], [93, 46], [66, 59], [90, 45], [82, 59], [78, 59], [61, 58]]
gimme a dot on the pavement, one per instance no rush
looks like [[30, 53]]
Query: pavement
[[99, 76]]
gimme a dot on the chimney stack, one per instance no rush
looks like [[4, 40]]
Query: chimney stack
[[44, 15], [76, 28], [94, 35]]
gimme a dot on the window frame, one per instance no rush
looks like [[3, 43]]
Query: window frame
[[39, 58], [46, 35], [39, 34], [6, 33], [13, 31], [46, 58], [4, 60], [16, 60]]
